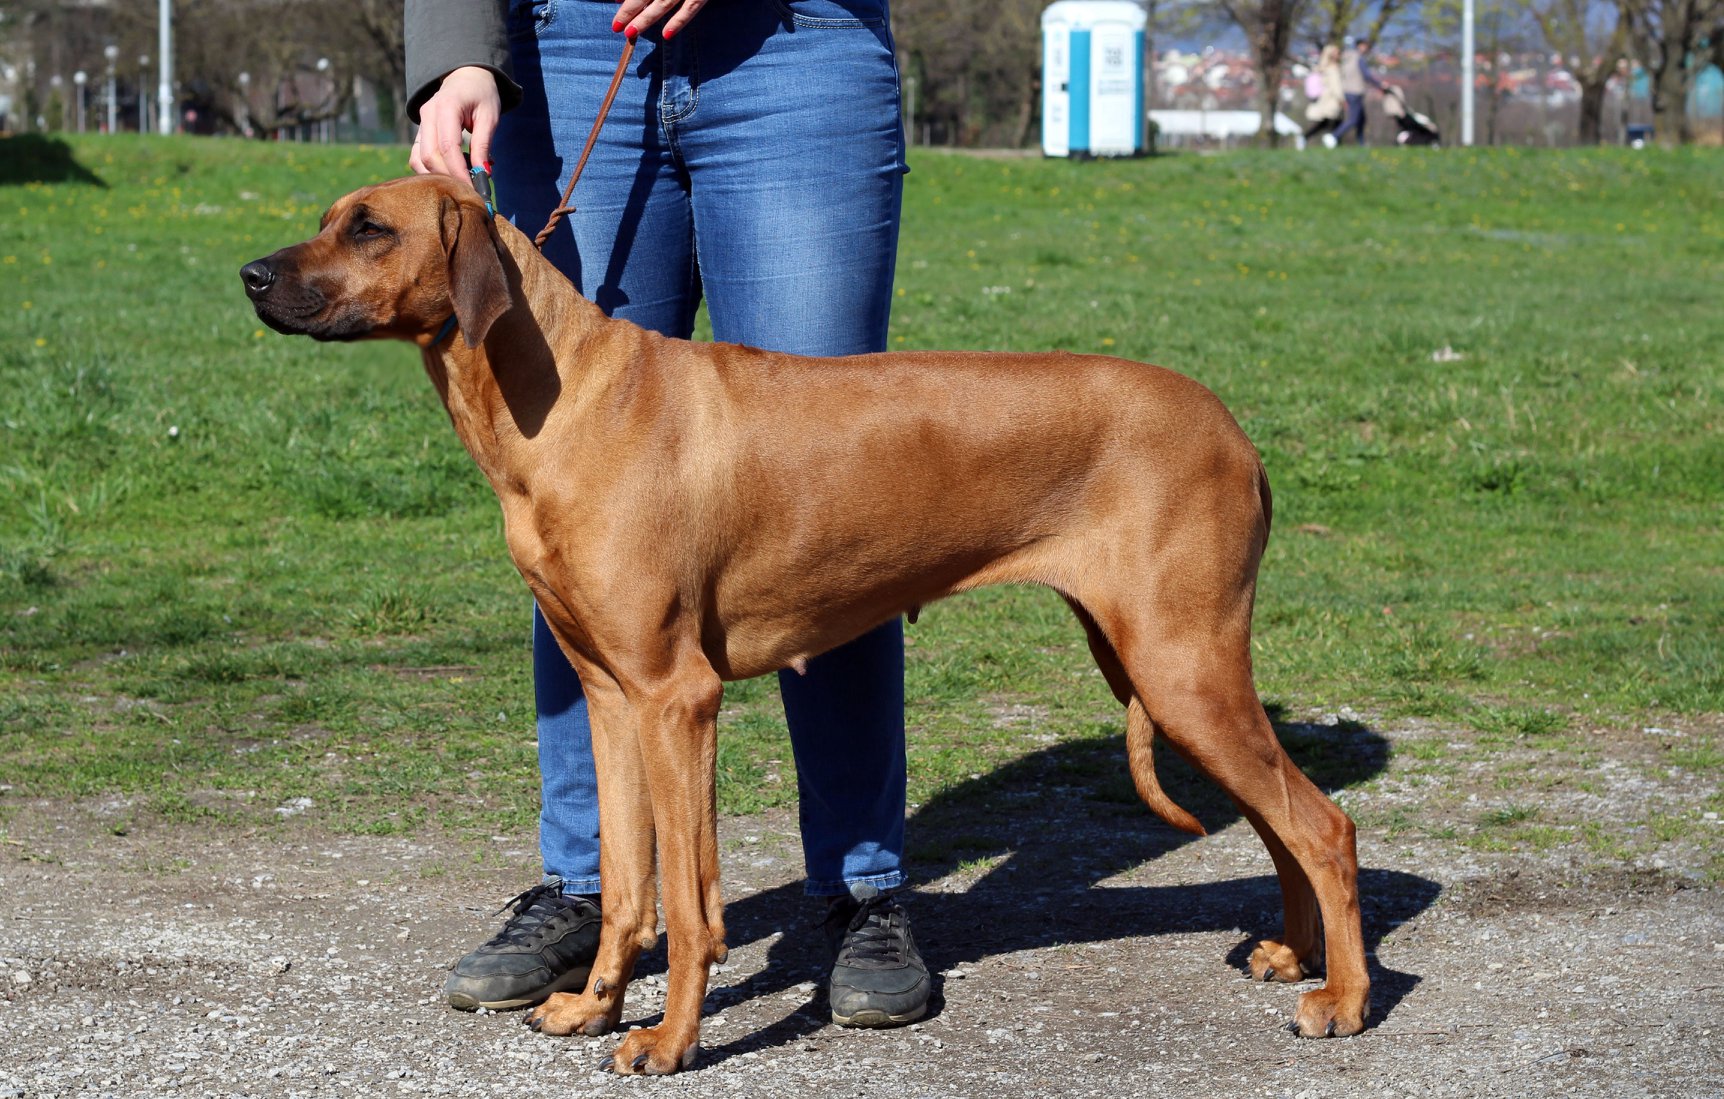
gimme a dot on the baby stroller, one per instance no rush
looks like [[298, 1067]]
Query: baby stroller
[[1412, 128]]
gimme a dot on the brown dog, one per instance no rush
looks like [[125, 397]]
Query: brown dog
[[687, 514]]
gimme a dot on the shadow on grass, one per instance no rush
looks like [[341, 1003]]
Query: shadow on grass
[[1055, 825], [37, 158]]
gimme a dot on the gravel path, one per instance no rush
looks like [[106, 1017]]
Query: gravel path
[[1087, 952]]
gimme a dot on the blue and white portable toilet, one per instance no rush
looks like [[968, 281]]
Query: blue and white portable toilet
[[1092, 78]]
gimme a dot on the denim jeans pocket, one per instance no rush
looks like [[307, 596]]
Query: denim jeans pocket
[[833, 13], [527, 18]]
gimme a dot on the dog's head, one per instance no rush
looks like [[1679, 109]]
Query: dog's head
[[391, 261]]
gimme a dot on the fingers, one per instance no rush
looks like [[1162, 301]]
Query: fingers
[[467, 100], [683, 14], [479, 143], [437, 148], [634, 16], [440, 141]]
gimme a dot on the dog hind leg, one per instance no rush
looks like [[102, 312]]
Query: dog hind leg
[[1201, 696]]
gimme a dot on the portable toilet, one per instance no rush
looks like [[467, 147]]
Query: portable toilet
[[1092, 78]]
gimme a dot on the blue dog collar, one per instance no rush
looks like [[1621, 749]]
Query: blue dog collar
[[488, 191], [443, 333]]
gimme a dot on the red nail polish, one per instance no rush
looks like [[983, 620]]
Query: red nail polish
[[632, 31], [669, 33], [616, 25]]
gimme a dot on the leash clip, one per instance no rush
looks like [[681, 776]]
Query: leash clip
[[482, 183]]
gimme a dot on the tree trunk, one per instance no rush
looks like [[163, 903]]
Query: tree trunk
[[1026, 112], [1268, 95], [1670, 124], [1592, 108]]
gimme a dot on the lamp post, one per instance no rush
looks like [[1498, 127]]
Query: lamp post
[[325, 95], [56, 82], [143, 97], [165, 85], [1467, 76], [79, 79], [112, 53], [245, 104]]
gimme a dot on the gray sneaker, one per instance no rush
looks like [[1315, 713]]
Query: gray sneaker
[[547, 945], [878, 979]]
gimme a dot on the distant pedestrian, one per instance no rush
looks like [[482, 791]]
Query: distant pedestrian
[[1327, 102], [1356, 76]]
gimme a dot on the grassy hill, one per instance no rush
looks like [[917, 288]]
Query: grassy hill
[[237, 568]]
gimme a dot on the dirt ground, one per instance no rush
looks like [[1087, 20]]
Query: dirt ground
[[1081, 948]]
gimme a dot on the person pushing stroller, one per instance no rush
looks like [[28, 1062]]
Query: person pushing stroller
[[1356, 76]]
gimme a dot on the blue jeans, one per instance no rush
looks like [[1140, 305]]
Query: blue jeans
[[756, 159], [1355, 120]]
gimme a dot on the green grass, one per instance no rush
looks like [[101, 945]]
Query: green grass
[[237, 568]]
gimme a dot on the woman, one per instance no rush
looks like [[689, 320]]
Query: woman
[[754, 157], [1326, 111]]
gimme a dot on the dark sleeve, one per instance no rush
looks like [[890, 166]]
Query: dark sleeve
[[444, 35], [1367, 75]]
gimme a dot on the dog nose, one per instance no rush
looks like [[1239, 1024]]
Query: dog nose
[[258, 276]]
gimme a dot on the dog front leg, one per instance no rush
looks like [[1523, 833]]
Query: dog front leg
[[625, 867], [679, 735]]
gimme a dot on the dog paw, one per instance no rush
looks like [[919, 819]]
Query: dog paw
[[1329, 1013], [1272, 961], [571, 1013], [652, 1051]]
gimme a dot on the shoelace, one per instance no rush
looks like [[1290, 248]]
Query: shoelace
[[872, 935], [523, 923]]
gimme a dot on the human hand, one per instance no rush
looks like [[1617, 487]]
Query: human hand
[[634, 16], [466, 100]]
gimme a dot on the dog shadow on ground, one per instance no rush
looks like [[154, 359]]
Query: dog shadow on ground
[[1046, 832], [34, 158]]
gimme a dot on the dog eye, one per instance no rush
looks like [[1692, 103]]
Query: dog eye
[[369, 230]]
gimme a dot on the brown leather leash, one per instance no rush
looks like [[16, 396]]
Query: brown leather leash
[[592, 138]]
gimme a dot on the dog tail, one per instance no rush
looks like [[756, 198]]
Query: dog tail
[[1140, 754]]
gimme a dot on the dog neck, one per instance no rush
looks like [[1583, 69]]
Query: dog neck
[[505, 389]]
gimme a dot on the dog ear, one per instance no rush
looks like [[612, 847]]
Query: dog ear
[[477, 286]]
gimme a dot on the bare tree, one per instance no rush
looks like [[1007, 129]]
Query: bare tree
[[1668, 35], [259, 66], [975, 65], [381, 55], [1593, 39], [1268, 27], [1332, 20], [1503, 29], [48, 41]]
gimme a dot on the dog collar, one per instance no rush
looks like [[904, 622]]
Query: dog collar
[[487, 191], [443, 333]]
